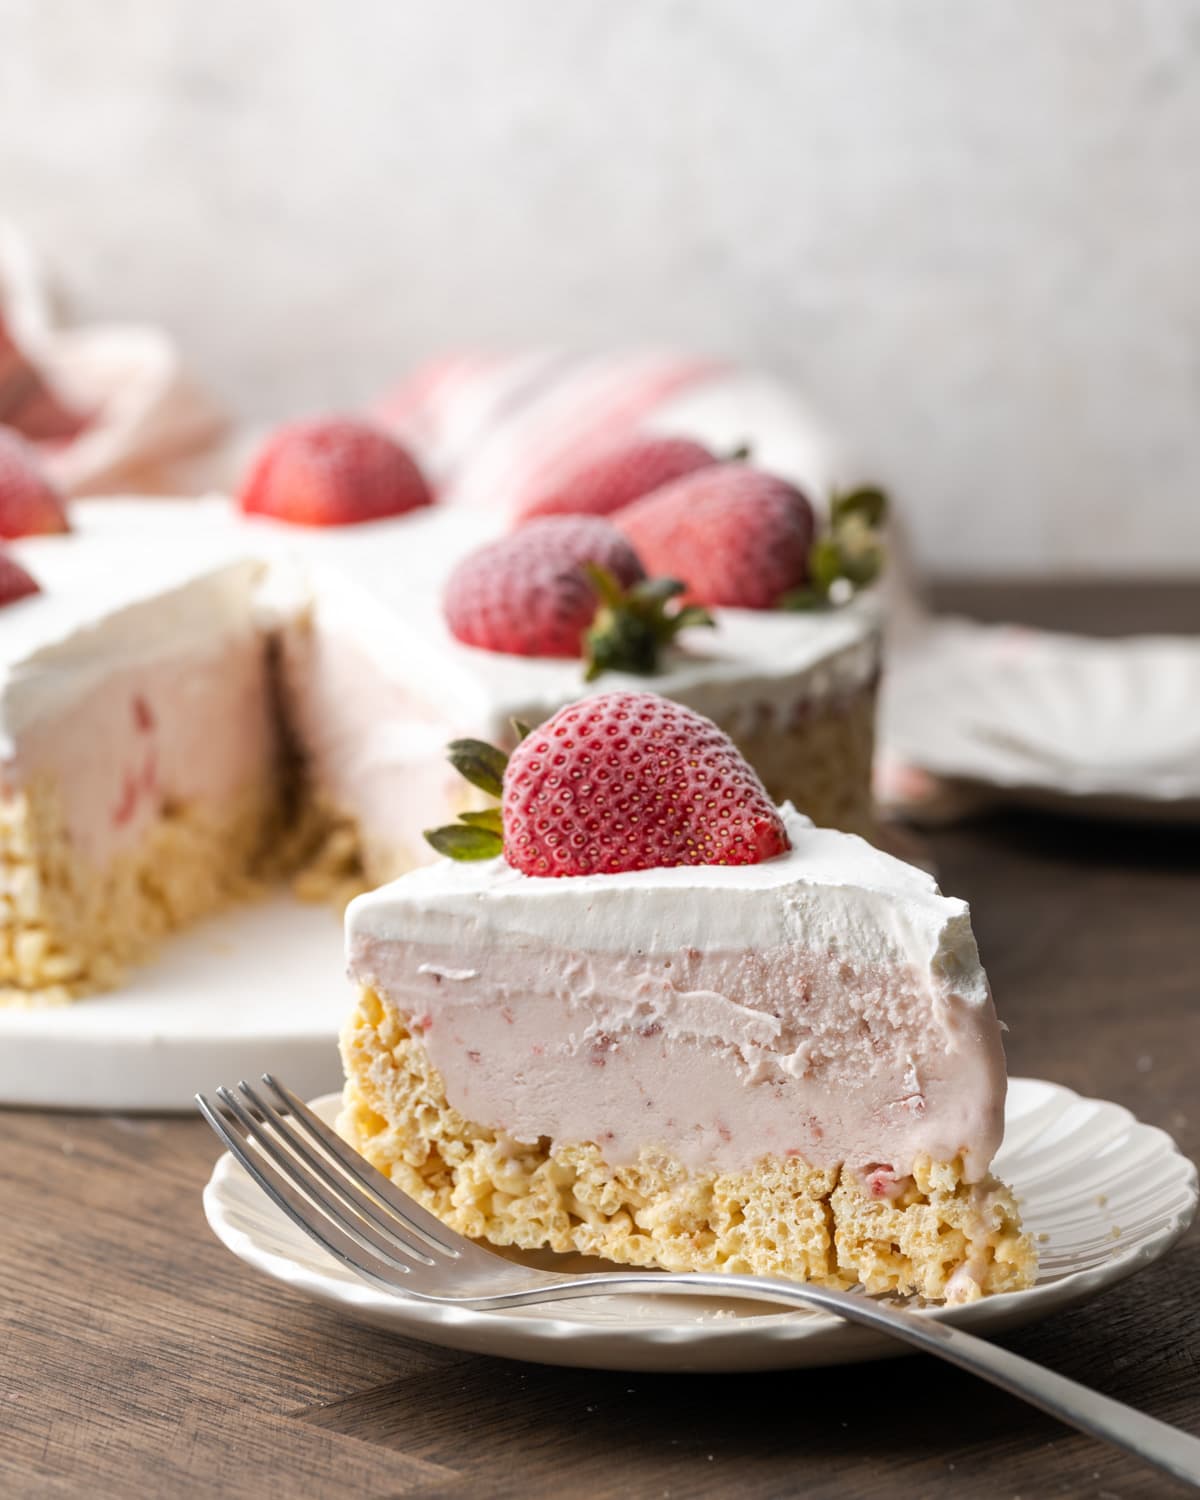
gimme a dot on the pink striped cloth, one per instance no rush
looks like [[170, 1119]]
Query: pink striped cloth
[[28, 404], [492, 428], [113, 405]]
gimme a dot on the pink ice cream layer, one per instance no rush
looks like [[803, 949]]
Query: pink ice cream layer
[[374, 751], [718, 1058], [193, 728]]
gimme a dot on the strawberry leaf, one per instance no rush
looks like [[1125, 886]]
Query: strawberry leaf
[[464, 841], [860, 551], [479, 763], [651, 592], [478, 834], [628, 634], [803, 599], [605, 584], [487, 817], [848, 555], [868, 502], [521, 729], [692, 615], [824, 564]]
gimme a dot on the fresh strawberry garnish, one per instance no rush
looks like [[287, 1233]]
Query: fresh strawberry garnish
[[15, 582], [332, 472], [735, 535], [622, 781], [617, 477], [632, 781], [529, 593], [29, 503], [564, 586]]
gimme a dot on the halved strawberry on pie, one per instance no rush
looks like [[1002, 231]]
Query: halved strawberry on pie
[[332, 471], [568, 587]]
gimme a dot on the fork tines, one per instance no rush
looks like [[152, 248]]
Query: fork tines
[[324, 1186]]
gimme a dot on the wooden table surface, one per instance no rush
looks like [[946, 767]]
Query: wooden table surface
[[139, 1358]]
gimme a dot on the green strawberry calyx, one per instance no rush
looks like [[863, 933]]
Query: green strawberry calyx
[[847, 555], [478, 834], [632, 626]]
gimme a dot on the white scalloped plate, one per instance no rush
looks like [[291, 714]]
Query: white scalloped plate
[[1105, 1194], [1105, 726]]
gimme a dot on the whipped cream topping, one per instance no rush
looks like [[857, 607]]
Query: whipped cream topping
[[829, 1003], [839, 892]]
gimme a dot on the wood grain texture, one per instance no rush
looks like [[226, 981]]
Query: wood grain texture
[[138, 1358]]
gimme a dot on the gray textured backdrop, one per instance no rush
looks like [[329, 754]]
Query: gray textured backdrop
[[971, 231]]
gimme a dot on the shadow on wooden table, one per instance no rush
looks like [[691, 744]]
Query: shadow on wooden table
[[1059, 836]]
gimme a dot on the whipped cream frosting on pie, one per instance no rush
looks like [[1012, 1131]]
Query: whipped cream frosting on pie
[[791, 1067]]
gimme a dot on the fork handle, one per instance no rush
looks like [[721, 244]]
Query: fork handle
[[1157, 1443]]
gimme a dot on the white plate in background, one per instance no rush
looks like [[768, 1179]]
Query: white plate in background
[[1104, 726]]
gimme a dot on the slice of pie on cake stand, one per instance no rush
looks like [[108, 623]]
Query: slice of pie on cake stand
[[647, 1015]]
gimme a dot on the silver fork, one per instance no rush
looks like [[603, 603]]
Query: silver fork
[[330, 1192]]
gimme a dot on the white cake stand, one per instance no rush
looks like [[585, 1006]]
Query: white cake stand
[[258, 987]]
